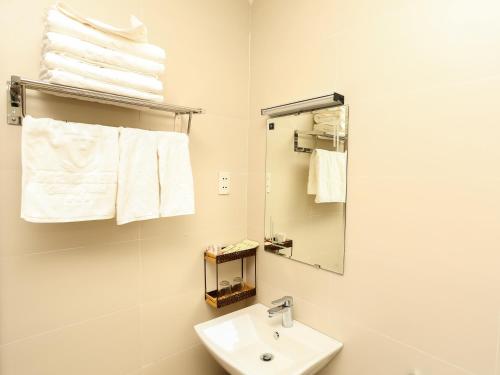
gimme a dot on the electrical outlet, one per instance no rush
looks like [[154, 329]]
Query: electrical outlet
[[224, 183]]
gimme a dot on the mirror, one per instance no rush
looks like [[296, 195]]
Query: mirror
[[306, 171]]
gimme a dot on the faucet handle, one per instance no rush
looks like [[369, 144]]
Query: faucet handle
[[286, 301]]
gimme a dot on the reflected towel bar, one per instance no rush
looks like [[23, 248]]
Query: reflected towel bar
[[16, 99], [318, 135]]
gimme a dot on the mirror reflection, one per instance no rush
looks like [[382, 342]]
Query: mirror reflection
[[306, 171]]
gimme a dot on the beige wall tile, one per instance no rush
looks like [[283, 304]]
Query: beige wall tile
[[167, 323], [207, 63], [45, 291], [195, 360], [107, 345]]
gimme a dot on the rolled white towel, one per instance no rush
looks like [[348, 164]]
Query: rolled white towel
[[329, 114], [54, 61], [69, 79], [136, 32], [55, 42], [62, 24]]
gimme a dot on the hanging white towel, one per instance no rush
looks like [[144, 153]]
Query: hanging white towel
[[138, 186], [69, 171], [69, 79], [137, 31], [141, 82], [59, 43], [62, 24], [327, 176], [176, 177]]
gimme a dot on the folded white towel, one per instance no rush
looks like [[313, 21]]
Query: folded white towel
[[138, 185], [137, 31], [54, 61], [327, 176], [62, 24], [69, 79], [176, 177], [69, 171], [59, 43]]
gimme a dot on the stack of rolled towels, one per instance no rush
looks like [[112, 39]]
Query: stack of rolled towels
[[330, 120], [86, 53]]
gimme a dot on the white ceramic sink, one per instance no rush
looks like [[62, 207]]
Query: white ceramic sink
[[237, 341]]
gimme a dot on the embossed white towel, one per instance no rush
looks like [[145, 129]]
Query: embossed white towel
[[137, 31], [136, 81], [327, 176], [138, 186], [69, 79], [59, 43], [176, 177], [58, 22], [69, 171]]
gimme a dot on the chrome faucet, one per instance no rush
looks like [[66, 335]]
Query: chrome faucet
[[285, 309]]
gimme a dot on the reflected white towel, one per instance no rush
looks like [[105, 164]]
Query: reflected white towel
[[55, 42], [138, 186], [69, 171], [141, 82], [137, 31], [62, 24], [334, 114], [328, 127], [176, 177], [327, 176], [70, 79]]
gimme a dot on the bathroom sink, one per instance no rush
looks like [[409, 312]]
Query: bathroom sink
[[248, 342]]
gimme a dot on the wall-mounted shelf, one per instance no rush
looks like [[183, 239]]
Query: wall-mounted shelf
[[16, 99], [212, 297]]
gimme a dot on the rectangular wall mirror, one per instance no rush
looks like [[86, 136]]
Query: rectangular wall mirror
[[306, 173]]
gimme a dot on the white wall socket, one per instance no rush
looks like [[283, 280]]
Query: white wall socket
[[224, 183]]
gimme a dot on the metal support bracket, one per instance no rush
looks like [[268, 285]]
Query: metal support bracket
[[296, 146], [16, 103], [189, 122]]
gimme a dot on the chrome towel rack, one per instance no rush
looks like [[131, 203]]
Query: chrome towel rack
[[318, 135], [16, 99]]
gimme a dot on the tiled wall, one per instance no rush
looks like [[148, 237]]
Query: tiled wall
[[96, 298], [421, 288]]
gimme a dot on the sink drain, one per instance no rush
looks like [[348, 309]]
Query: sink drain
[[266, 357]]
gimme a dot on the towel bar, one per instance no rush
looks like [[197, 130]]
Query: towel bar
[[16, 99], [317, 134]]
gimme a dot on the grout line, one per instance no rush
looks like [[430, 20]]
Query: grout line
[[81, 322], [41, 252], [422, 352], [178, 352], [497, 361], [141, 302]]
